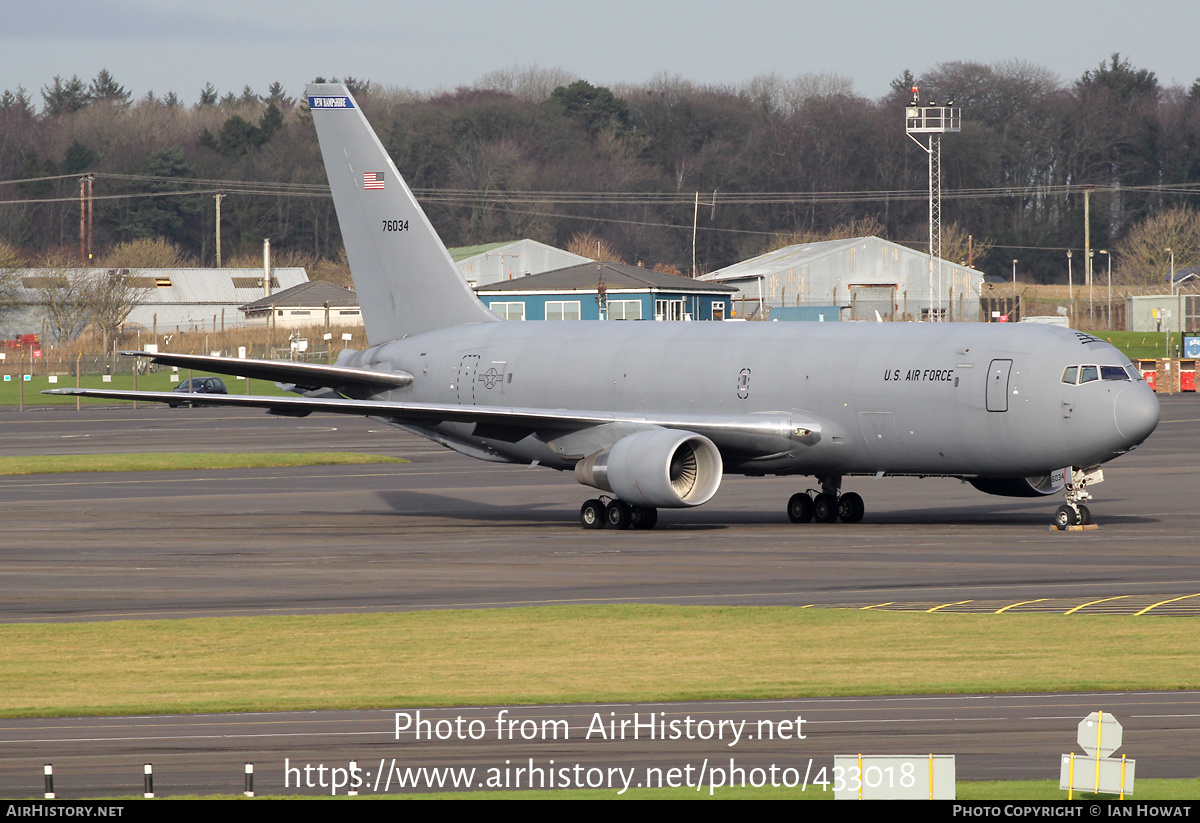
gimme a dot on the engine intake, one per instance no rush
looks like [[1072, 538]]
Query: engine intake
[[659, 467]]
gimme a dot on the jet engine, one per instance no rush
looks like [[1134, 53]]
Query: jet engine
[[659, 468], [1038, 486]]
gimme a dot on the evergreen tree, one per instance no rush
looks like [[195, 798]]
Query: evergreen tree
[[593, 107], [278, 97], [106, 89], [20, 101], [208, 96], [79, 158], [65, 96]]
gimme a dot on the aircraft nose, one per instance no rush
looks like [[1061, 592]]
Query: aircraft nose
[[1136, 413]]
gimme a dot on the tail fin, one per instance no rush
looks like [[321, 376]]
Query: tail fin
[[406, 282]]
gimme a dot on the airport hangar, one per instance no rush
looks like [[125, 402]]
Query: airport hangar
[[508, 260], [183, 299], [856, 277]]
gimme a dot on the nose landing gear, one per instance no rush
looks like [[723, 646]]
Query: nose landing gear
[[1074, 512]]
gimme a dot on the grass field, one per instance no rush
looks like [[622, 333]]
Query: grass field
[[170, 461], [572, 654], [11, 390], [1137, 344]]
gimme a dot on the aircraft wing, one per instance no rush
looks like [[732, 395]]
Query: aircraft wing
[[305, 376], [733, 430]]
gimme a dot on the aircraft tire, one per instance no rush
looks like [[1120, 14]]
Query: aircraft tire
[[851, 508], [619, 515], [800, 508], [825, 508], [1065, 517], [1085, 516], [644, 517], [592, 514]]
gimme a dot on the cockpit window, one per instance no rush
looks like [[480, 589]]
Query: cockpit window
[[1088, 373], [1134, 374], [1113, 373], [1071, 375]]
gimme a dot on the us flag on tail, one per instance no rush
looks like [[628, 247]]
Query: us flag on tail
[[372, 180]]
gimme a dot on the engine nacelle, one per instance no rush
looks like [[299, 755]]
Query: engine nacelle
[[662, 468], [1038, 486]]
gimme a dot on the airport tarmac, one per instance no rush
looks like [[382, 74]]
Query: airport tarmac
[[446, 531]]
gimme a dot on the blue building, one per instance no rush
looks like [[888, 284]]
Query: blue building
[[607, 291]]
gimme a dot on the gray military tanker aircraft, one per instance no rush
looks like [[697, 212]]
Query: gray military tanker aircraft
[[654, 413]]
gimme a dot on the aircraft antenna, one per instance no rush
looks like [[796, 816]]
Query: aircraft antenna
[[933, 120]]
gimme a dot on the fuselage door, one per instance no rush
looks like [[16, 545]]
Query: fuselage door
[[464, 379], [997, 385]]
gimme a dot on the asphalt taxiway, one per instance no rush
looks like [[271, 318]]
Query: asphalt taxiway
[[446, 531]]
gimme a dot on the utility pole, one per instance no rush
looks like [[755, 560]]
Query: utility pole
[[85, 220], [82, 223], [1109, 325], [695, 222], [89, 218], [1087, 250], [1071, 287], [933, 120], [218, 196]]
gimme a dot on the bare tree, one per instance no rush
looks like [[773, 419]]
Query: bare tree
[[530, 83], [10, 281], [1146, 253], [110, 295], [586, 244], [61, 291]]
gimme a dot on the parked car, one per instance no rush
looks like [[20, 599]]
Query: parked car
[[199, 385]]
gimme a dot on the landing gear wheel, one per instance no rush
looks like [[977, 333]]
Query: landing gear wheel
[[825, 508], [644, 517], [619, 515], [1065, 517], [591, 514], [1085, 516], [851, 508], [800, 508]]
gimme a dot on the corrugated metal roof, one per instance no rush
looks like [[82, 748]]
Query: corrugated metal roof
[[496, 262], [786, 258], [613, 276], [314, 293], [232, 287], [459, 253]]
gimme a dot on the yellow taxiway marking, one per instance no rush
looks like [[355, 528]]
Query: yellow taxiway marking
[[1022, 603], [876, 606], [947, 605], [1164, 602], [1094, 602]]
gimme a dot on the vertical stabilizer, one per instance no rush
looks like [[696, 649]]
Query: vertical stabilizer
[[406, 282]]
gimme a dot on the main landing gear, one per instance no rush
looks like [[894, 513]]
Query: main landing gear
[[827, 505], [616, 514]]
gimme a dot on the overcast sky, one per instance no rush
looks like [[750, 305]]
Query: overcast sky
[[168, 45]]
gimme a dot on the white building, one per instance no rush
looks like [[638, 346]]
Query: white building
[[172, 299], [498, 262], [310, 304], [859, 276]]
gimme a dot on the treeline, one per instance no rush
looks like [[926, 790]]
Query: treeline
[[538, 153]]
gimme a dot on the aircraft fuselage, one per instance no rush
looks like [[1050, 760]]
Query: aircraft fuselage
[[901, 398]]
